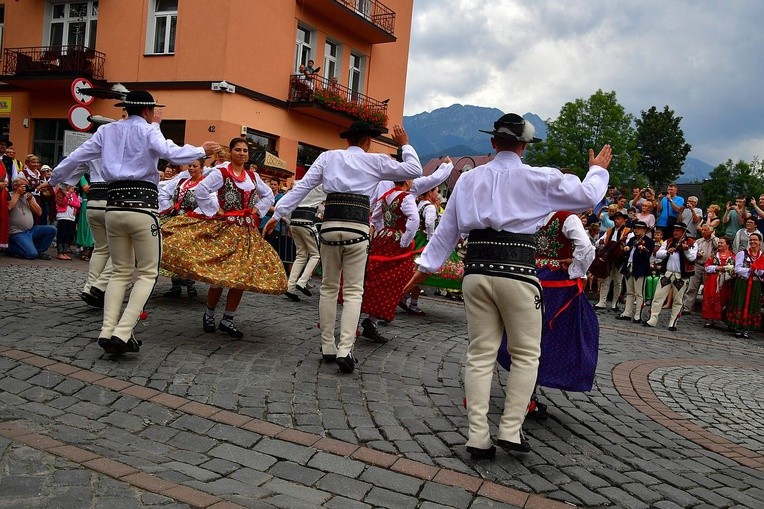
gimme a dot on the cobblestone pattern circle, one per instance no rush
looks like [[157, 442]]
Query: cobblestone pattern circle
[[726, 401]]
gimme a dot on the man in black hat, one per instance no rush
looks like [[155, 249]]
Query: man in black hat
[[129, 151], [501, 205], [611, 247], [350, 178], [636, 267], [678, 254]]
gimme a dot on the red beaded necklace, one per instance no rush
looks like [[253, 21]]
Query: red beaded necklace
[[234, 177]]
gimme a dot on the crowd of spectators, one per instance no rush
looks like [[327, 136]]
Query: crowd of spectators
[[724, 253]]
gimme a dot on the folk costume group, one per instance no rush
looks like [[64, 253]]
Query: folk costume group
[[209, 233]]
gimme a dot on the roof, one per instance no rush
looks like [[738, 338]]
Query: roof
[[461, 164]]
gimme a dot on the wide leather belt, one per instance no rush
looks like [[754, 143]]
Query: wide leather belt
[[347, 207], [499, 253], [132, 194], [303, 216], [98, 191]]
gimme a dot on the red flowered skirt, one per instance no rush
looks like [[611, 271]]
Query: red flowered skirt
[[388, 270], [715, 300]]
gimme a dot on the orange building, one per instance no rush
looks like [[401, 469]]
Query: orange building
[[223, 68]]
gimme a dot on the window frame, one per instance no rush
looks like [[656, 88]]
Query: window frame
[[171, 33], [361, 69], [301, 57], [335, 59], [90, 21]]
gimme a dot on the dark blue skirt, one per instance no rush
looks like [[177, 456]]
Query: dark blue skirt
[[569, 340]]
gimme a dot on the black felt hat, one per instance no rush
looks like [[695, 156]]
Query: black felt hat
[[138, 98], [4, 139], [513, 127], [361, 128]]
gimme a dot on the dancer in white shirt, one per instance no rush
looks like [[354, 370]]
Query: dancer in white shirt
[[501, 205], [129, 150], [350, 178]]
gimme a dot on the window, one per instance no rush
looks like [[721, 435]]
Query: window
[[49, 140], [163, 19], [73, 24], [355, 77], [174, 130], [303, 50], [331, 59], [363, 7], [259, 143], [306, 154], [2, 23]]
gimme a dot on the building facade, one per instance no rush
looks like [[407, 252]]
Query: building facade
[[224, 69]]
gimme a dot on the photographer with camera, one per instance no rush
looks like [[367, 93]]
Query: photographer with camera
[[691, 215], [734, 217], [669, 207], [27, 240]]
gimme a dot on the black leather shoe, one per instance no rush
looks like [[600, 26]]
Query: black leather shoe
[[638, 320], [231, 330], [346, 364], [402, 304], [327, 357], [191, 291], [91, 300], [304, 291], [208, 323], [112, 345], [621, 317], [175, 291], [508, 446], [616, 309], [482, 454], [371, 332], [672, 329], [292, 296], [97, 292], [132, 345]]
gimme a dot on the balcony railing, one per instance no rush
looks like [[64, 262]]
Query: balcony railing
[[337, 98], [48, 61], [374, 11]]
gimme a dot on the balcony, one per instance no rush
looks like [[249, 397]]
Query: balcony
[[22, 65], [369, 19], [330, 101]]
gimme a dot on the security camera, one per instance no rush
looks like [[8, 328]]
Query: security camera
[[223, 86]]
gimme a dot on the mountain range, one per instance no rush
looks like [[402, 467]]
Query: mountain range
[[454, 131]]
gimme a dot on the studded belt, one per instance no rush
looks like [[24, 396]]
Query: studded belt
[[499, 253], [303, 216], [132, 194], [347, 207], [362, 236], [97, 191]]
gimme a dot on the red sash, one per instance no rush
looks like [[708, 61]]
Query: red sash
[[566, 283]]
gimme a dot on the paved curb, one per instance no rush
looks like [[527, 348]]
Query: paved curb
[[126, 473], [631, 379]]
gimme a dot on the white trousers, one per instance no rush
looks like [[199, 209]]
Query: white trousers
[[493, 305], [635, 297], [100, 267], [615, 276], [348, 262], [696, 280], [307, 258], [135, 243], [662, 293]]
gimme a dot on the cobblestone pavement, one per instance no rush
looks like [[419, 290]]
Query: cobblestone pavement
[[195, 419]]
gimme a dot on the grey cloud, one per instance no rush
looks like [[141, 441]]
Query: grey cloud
[[702, 58]]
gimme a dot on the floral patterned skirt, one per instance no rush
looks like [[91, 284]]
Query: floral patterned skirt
[[389, 268], [221, 252], [744, 310]]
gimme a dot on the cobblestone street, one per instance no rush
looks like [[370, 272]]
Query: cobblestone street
[[200, 420]]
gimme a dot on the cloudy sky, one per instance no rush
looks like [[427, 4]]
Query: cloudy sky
[[702, 58]]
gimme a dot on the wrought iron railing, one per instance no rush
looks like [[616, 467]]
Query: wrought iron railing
[[53, 60], [335, 97], [374, 11]]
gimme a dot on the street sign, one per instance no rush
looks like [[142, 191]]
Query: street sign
[[73, 139], [78, 118], [81, 98]]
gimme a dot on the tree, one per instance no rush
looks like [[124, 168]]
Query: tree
[[584, 124], [661, 146], [730, 180]]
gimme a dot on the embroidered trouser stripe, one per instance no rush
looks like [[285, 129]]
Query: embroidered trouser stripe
[[493, 305], [307, 256], [100, 267], [135, 244], [348, 261]]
